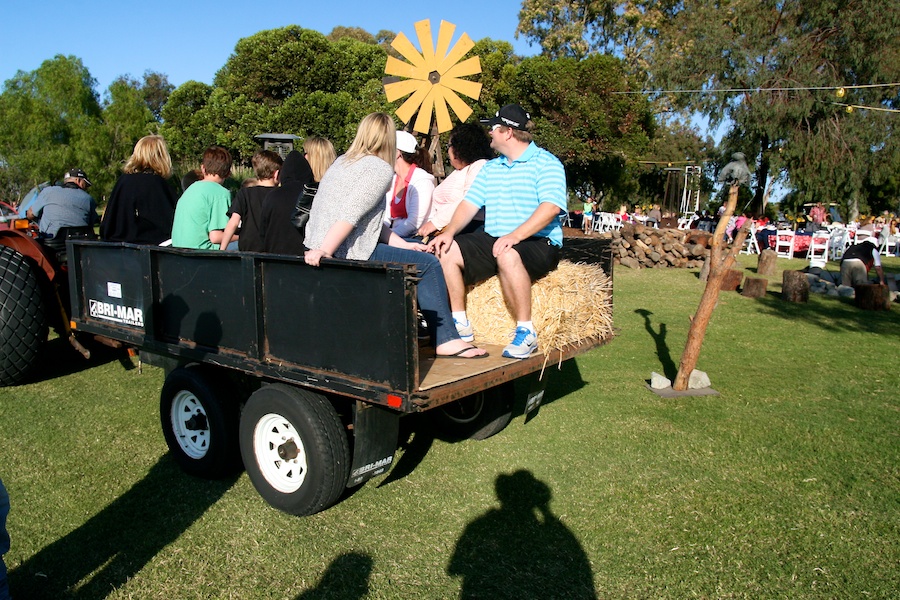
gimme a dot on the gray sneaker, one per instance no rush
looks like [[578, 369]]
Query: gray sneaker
[[524, 344], [465, 331]]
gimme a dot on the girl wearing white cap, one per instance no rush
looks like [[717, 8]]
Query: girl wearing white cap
[[409, 199]]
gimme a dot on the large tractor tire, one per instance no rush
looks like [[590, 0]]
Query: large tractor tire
[[295, 449], [23, 323]]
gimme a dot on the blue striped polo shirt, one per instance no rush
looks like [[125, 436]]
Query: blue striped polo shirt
[[512, 191]]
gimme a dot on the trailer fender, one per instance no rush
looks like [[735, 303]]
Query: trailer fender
[[26, 246]]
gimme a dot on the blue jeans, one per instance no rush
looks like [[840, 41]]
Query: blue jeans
[[431, 291]]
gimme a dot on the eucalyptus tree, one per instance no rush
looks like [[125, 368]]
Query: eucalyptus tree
[[597, 135], [287, 80], [769, 68], [50, 119]]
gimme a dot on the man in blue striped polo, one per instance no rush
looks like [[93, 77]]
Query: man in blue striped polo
[[522, 191]]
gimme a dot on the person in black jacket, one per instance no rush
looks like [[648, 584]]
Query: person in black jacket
[[286, 209], [858, 260], [141, 207], [276, 229]]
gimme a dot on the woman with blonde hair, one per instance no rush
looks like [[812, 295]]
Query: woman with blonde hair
[[346, 222], [141, 207], [320, 154], [285, 209]]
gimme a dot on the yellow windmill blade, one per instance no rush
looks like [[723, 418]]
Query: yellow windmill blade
[[399, 89], [423, 120], [423, 32], [432, 78]]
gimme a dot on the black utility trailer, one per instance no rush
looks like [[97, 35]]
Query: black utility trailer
[[300, 373]]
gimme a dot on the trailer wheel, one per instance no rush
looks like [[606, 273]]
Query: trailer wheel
[[295, 449], [199, 420], [23, 324], [479, 416]]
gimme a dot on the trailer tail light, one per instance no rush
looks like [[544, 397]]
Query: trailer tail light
[[394, 401]]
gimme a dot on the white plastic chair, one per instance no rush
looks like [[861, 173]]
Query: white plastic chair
[[838, 242], [616, 221], [751, 244], [784, 243], [818, 249], [889, 245]]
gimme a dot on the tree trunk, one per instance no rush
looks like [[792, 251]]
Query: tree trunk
[[718, 266], [873, 296], [765, 265], [704, 270], [731, 280], [762, 176], [755, 287], [795, 287]]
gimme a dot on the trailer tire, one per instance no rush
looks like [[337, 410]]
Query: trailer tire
[[23, 324], [295, 449], [479, 416], [199, 418]]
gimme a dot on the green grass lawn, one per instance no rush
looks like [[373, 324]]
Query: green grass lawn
[[787, 484]]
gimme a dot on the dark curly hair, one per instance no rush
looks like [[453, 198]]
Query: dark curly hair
[[470, 142]]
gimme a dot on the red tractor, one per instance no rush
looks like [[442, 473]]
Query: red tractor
[[34, 295]]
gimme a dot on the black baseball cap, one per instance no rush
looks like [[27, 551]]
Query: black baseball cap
[[77, 174], [511, 115]]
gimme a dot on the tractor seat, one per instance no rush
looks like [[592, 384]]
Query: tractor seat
[[58, 241]]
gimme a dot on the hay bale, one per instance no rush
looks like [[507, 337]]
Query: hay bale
[[570, 304]]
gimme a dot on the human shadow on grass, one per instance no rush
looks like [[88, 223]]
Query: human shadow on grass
[[60, 359], [347, 577], [419, 432], [115, 544], [521, 550], [669, 368], [832, 314]]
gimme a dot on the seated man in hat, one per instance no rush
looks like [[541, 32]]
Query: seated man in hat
[[522, 192], [68, 205]]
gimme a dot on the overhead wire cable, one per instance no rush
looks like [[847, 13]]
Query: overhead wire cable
[[771, 89]]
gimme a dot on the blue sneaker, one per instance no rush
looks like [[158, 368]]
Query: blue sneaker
[[524, 344], [465, 331]]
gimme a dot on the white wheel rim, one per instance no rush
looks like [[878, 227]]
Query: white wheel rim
[[190, 425], [279, 453]]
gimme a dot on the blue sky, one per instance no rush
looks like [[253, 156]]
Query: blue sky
[[192, 40]]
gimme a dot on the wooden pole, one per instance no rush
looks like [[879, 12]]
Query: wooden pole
[[719, 262]]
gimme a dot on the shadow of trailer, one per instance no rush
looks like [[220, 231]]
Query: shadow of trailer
[[301, 374]]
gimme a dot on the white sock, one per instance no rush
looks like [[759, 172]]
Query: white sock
[[527, 325], [460, 317]]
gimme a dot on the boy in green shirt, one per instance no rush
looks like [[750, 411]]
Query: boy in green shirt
[[202, 211]]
